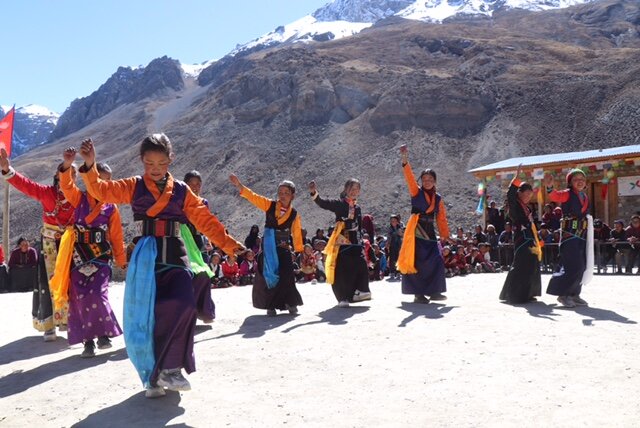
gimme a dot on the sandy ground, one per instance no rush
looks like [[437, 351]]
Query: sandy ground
[[470, 362]]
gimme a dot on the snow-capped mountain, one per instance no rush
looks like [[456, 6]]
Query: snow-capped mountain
[[343, 18], [32, 127]]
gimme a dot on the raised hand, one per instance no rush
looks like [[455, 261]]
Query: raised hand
[[519, 171], [235, 181], [4, 161], [312, 187], [68, 156], [404, 153], [88, 152]]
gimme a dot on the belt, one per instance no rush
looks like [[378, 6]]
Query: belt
[[573, 224], [90, 236], [159, 228]]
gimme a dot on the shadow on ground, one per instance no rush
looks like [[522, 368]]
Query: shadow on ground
[[20, 381], [138, 411], [431, 311], [332, 316], [256, 326], [30, 347]]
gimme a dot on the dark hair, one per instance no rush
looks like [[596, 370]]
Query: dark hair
[[20, 241], [430, 172], [56, 180], [350, 182], [524, 187], [156, 143], [103, 167], [192, 174]]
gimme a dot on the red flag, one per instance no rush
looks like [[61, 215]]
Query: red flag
[[6, 131], [603, 191]]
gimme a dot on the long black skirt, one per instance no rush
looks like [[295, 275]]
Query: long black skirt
[[351, 273], [284, 293], [523, 280], [430, 278], [567, 280]]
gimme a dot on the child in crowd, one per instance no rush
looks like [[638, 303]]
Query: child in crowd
[[248, 268], [230, 271], [308, 263]]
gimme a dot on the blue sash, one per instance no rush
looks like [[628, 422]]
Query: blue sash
[[139, 308], [270, 258]]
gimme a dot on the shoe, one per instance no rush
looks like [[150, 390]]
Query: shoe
[[579, 301], [566, 301], [343, 304], [50, 335], [360, 296], [438, 297], [89, 349], [173, 380], [207, 320], [314, 281], [419, 298], [154, 392], [292, 309], [62, 327], [271, 312], [532, 299], [104, 342]]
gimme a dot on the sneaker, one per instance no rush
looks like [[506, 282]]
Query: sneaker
[[271, 312], [419, 298], [292, 309], [579, 301], [89, 349], [360, 296], [173, 380], [50, 335], [154, 392], [566, 301], [104, 342], [438, 296], [343, 304]]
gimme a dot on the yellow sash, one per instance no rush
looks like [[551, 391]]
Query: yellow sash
[[59, 283], [537, 248], [331, 250], [407, 258]]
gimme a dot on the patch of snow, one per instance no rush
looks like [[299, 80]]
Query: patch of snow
[[193, 70]]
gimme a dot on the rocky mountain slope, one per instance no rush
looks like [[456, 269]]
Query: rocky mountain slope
[[460, 94], [32, 127]]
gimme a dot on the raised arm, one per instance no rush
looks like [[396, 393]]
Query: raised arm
[[412, 184], [67, 181], [198, 214], [259, 201], [332, 205], [558, 196], [37, 191]]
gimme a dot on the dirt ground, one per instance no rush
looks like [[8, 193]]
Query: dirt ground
[[467, 362]]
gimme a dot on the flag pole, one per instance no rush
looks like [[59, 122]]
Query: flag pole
[[5, 219]]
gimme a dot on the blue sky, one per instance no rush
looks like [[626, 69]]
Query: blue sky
[[54, 52]]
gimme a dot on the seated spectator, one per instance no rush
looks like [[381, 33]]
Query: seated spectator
[[461, 261], [460, 237], [632, 233], [488, 265], [547, 214], [248, 268], [505, 242], [23, 267], [251, 241], [493, 240], [216, 267], [474, 259], [319, 236], [603, 250], [305, 239], [554, 223], [381, 241], [230, 271], [450, 263], [308, 264], [320, 260], [381, 263], [479, 236], [619, 243]]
